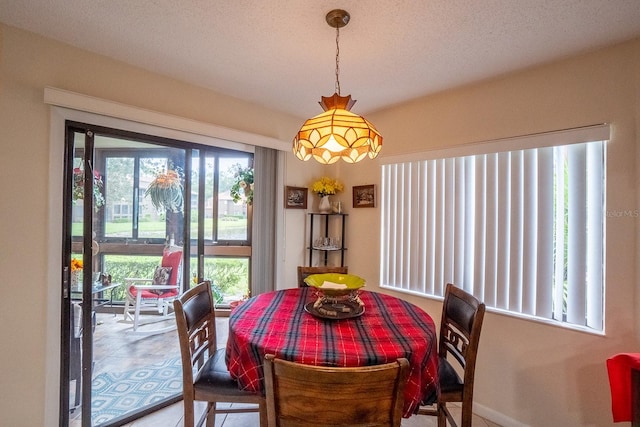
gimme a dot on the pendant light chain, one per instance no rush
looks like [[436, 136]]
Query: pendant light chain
[[337, 133], [338, 60]]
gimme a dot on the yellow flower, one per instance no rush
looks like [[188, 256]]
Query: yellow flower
[[326, 186], [76, 264]]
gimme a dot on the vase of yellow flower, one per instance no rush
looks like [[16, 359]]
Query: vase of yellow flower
[[325, 205], [325, 187]]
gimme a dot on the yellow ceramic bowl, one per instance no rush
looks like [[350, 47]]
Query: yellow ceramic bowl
[[334, 284]]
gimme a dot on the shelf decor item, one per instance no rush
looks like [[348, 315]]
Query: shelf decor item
[[326, 239], [325, 204], [242, 188], [166, 191], [325, 187]]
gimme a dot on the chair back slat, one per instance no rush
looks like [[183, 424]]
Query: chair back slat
[[304, 396], [456, 343]]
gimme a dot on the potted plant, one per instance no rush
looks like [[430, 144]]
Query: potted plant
[[242, 188], [78, 187], [166, 191]]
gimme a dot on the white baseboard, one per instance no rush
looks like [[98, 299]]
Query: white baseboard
[[496, 416]]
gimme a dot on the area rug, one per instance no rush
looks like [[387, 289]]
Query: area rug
[[116, 394]]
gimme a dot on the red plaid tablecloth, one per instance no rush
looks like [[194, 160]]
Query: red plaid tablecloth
[[390, 328]]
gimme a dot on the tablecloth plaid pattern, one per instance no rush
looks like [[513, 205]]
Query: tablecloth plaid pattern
[[390, 328]]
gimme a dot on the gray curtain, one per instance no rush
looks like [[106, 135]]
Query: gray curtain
[[263, 240]]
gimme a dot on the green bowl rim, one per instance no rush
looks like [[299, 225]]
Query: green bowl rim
[[317, 280]]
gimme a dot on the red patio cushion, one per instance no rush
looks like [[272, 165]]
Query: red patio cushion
[[170, 293], [173, 260]]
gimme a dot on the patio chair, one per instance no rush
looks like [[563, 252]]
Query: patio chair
[[204, 371], [303, 272], [462, 316], [315, 396], [154, 294]]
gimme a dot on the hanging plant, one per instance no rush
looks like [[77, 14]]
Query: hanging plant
[[242, 188], [166, 191], [78, 187]]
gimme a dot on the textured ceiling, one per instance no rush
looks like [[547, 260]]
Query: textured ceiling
[[281, 54]]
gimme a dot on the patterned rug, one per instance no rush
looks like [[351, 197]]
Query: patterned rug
[[114, 395]]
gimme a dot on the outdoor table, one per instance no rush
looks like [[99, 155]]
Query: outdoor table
[[390, 328], [96, 289]]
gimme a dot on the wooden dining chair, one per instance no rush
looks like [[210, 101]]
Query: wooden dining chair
[[303, 272], [204, 372], [319, 396], [462, 316]]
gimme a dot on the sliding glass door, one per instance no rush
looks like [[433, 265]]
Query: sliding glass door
[[220, 229], [131, 200]]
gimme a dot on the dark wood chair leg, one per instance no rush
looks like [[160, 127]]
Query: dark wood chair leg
[[263, 414]]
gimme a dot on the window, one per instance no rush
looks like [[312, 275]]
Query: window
[[522, 229], [128, 173], [225, 219], [129, 232]]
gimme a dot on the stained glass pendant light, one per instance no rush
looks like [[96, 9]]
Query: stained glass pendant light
[[337, 133]]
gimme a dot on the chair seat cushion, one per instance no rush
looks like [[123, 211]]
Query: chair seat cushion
[[450, 381], [169, 293], [214, 377]]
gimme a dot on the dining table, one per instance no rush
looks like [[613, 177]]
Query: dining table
[[281, 323]]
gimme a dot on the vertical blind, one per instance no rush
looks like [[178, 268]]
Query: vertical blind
[[522, 230]]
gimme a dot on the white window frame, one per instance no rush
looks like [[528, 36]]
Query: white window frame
[[464, 215]]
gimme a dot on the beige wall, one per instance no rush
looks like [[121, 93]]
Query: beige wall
[[529, 373], [29, 309]]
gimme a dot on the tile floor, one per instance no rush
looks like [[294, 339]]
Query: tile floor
[[172, 417]]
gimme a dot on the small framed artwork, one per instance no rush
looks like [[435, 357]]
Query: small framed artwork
[[295, 198], [364, 196]]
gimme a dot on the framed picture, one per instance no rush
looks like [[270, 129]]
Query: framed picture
[[364, 196], [295, 198]]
